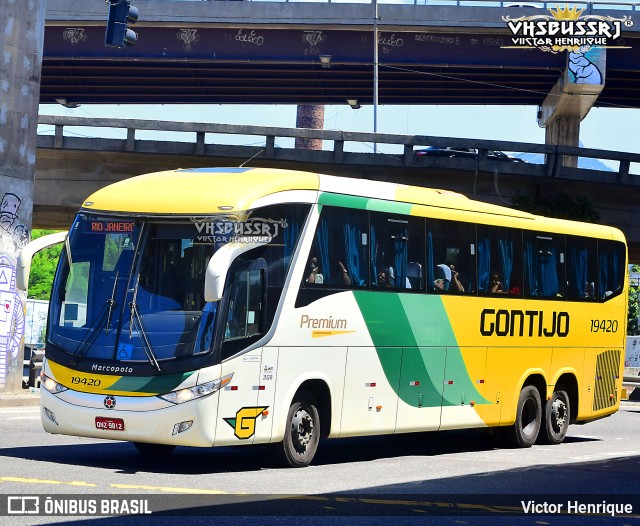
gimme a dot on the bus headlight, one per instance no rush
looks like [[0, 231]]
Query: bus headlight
[[51, 385], [191, 393]]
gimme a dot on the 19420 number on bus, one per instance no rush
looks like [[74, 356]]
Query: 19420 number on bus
[[604, 325], [86, 381]]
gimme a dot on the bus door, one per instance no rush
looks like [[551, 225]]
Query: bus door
[[239, 411], [420, 391]]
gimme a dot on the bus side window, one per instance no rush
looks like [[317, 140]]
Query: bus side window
[[339, 250], [451, 257], [397, 252], [611, 265], [244, 319], [244, 314], [499, 261], [543, 260], [582, 268]]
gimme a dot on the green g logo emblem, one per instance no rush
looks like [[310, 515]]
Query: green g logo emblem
[[244, 424]]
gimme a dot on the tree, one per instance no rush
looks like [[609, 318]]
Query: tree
[[43, 268], [560, 205]]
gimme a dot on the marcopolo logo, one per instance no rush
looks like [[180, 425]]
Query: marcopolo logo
[[231, 229], [565, 30]]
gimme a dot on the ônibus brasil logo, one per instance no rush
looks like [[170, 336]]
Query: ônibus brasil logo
[[565, 30]]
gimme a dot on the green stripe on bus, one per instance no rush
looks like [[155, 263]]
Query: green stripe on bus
[[417, 326], [364, 203], [430, 325], [346, 201], [392, 207], [155, 385]]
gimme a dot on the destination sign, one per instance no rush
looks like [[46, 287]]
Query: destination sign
[[118, 227]]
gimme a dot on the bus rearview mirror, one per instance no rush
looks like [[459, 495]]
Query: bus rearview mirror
[[23, 267]]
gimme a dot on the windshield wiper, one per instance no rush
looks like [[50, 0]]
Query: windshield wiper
[[111, 302], [135, 316], [103, 319]]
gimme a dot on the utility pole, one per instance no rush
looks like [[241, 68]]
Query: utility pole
[[375, 71]]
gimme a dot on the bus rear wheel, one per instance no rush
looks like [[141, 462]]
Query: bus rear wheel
[[556, 419], [153, 449], [302, 433], [528, 419]]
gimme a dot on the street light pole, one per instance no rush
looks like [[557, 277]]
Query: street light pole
[[375, 71]]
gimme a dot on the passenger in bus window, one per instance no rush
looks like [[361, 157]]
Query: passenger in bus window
[[496, 284], [343, 274], [314, 274], [456, 284], [443, 278], [590, 290], [384, 280]]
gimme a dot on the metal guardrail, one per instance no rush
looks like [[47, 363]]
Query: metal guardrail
[[631, 381], [553, 167], [588, 6]]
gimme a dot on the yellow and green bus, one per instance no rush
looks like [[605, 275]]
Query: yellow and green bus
[[229, 306]]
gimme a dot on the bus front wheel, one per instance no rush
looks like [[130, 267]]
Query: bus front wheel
[[528, 419], [302, 433], [556, 419]]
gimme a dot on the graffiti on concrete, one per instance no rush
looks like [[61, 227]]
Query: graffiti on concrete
[[11, 320], [13, 236], [9, 211]]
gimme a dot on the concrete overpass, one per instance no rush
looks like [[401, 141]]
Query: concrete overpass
[[270, 52], [69, 168]]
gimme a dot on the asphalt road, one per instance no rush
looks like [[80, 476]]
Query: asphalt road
[[448, 478]]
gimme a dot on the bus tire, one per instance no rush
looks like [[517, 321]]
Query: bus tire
[[302, 433], [158, 450], [525, 430], [556, 419]]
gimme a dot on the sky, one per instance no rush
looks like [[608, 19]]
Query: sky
[[603, 128]]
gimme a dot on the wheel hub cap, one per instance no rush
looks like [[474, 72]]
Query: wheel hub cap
[[302, 428]]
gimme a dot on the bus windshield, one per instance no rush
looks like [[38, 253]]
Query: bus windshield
[[132, 290], [121, 294]]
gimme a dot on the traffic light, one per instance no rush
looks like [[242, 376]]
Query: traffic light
[[121, 13]]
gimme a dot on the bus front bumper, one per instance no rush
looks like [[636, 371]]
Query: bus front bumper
[[191, 423]]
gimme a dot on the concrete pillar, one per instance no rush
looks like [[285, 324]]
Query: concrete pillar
[[571, 98], [310, 116], [564, 130], [21, 42]]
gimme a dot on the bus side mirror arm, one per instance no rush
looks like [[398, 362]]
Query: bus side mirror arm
[[218, 266], [23, 267]]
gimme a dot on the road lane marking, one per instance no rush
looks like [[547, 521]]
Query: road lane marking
[[609, 454], [168, 489], [47, 481], [21, 410]]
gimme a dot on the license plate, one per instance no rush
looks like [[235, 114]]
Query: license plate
[[110, 424]]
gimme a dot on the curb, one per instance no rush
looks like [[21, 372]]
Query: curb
[[27, 398]]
